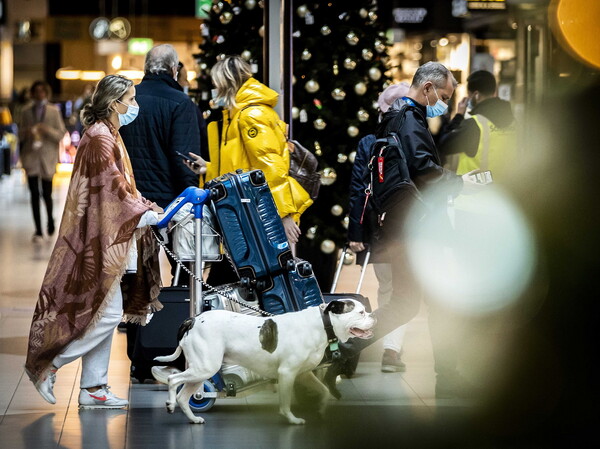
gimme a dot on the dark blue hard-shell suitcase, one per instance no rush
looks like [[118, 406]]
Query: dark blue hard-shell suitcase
[[256, 242], [250, 224]]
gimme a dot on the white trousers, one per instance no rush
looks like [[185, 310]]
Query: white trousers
[[383, 272], [94, 346]]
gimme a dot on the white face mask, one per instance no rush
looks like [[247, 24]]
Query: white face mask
[[186, 89], [218, 101], [438, 108], [130, 115]]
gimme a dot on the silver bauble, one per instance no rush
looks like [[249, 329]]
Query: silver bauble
[[226, 17], [372, 16], [327, 246], [246, 55], [349, 258], [319, 124], [367, 54], [352, 38], [295, 112], [325, 30], [341, 158], [374, 73], [328, 176], [311, 232], [360, 88], [218, 7], [236, 10], [352, 157], [221, 56], [363, 13], [250, 4], [302, 10], [311, 86], [338, 94], [362, 115], [306, 54], [349, 63], [379, 46], [336, 210], [353, 131]]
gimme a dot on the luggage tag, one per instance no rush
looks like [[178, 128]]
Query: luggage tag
[[380, 161]]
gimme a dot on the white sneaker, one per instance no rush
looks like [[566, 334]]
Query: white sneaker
[[162, 373], [45, 386], [103, 398]]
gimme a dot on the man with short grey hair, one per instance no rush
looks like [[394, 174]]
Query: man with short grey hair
[[166, 124], [428, 96]]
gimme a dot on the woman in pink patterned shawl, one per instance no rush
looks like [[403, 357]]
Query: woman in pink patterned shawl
[[103, 233]]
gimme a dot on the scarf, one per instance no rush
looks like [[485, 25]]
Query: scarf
[[99, 222]]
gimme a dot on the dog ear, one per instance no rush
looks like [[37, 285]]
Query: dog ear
[[338, 307]]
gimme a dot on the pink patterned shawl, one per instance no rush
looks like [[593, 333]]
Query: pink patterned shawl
[[102, 211]]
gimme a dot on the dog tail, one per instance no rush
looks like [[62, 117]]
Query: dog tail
[[169, 358]]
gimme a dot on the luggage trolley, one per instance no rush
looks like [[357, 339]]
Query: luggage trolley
[[190, 245]]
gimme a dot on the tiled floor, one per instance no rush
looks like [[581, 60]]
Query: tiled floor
[[377, 410]]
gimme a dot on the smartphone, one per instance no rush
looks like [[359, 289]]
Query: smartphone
[[187, 158], [484, 177]]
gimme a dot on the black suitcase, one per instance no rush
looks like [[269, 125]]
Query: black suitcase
[[159, 336]]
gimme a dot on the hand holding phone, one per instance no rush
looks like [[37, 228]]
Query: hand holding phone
[[187, 158]]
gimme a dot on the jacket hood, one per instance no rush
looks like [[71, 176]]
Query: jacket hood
[[255, 92], [497, 110]]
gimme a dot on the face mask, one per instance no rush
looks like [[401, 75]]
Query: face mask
[[471, 103], [438, 108], [130, 115], [186, 89], [219, 102]]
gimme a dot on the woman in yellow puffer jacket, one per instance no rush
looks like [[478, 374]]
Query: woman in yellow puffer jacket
[[254, 137]]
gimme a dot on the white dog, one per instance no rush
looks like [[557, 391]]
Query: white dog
[[282, 347]]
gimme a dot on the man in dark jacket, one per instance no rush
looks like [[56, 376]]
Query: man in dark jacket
[[487, 139], [166, 124], [431, 88]]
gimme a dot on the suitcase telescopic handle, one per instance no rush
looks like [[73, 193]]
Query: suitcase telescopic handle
[[340, 264]]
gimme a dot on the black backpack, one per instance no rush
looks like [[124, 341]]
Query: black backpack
[[390, 190]]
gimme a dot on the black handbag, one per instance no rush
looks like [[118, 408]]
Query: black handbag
[[303, 168]]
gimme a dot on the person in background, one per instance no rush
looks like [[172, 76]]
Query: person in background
[[41, 129], [167, 124], [104, 222], [487, 140], [363, 226]]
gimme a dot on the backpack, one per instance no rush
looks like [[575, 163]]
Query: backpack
[[390, 190]]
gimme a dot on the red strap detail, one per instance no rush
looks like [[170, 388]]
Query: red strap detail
[[362, 216], [380, 160]]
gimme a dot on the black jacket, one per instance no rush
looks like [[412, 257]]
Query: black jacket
[[357, 231], [465, 138], [167, 122], [424, 163]]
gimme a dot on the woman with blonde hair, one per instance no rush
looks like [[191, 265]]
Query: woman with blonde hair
[[104, 224]]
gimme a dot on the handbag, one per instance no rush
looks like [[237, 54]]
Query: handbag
[[303, 168], [184, 243]]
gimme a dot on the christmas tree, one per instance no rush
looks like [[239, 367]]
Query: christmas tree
[[340, 55], [235, 27]]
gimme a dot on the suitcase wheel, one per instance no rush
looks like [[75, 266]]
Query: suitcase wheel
[[257, 178], [198, 403]]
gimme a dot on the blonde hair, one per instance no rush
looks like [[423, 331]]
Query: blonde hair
[[109, 89], [228, 75]]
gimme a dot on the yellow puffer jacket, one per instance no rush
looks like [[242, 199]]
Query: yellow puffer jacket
[[253, 137]]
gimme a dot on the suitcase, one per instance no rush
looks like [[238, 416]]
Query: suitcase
[[159, 336], [250, 224], [257, 244]]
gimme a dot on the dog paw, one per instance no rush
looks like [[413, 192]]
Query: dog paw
[[294, 420], [197, 420], [170, 407]]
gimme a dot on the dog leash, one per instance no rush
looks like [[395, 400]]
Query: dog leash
[[227, 292]]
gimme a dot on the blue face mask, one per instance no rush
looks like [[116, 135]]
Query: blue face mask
[[130, 115], [438, 108], [218, 101]]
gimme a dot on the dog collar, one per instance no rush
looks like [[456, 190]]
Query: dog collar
[[334, 347]]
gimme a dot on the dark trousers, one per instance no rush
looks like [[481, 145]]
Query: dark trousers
[[403, 306], [34, 187]]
